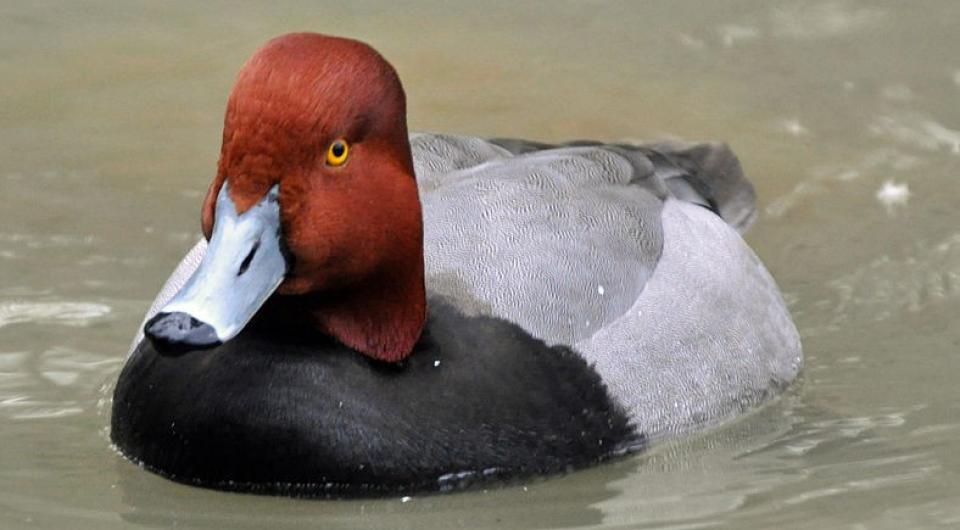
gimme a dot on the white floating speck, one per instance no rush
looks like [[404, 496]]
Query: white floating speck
[[893, 194], [793, 127], [600, 290], [406, 499], [436, 363]]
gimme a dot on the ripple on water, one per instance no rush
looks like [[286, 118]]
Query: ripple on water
[[826, 178], [917, 131], [56, 383], [823, 20], [40, 241], [886, 286], [65, 313]]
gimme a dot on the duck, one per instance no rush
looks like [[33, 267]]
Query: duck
[[372, 311]]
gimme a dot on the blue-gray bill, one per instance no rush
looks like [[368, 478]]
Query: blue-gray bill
[[243, 266]]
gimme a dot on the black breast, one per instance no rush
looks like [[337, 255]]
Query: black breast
[[479, 399]]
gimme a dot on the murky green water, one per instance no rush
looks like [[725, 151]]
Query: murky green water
[[845, 113]]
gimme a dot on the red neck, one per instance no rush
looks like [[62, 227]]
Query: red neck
[[382, 318]]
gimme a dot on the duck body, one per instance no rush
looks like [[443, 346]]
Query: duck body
[[586, 299]]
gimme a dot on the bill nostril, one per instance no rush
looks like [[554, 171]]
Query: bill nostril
[[245, 264], [179, 330]]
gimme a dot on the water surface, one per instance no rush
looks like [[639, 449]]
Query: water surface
[[846, 115]]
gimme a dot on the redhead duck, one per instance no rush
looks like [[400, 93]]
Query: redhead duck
[[373, 312]]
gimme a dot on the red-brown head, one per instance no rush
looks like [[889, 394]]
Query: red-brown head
[[324, 120]]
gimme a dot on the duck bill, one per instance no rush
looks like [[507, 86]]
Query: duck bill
[[244, 264]]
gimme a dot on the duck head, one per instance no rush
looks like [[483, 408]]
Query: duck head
[[314, 202]]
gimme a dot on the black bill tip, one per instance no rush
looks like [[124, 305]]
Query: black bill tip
[[179, 332]]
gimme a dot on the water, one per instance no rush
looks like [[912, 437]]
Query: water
[[845, 114]]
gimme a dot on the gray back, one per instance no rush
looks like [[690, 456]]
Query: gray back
[[559, 241], [614, 249]]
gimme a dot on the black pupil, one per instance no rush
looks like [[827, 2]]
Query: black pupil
[[337, 149]]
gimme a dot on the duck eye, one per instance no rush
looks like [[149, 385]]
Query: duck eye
[[337, 153]]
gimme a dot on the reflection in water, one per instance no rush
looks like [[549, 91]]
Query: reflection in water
[[844, 113], [565, 502]]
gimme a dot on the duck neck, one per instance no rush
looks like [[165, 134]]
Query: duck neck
[[382, 318], [382, 315]]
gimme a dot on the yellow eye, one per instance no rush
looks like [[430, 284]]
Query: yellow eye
[[337, 153]]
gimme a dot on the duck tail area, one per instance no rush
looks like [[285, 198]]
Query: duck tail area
[[708, 174]]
